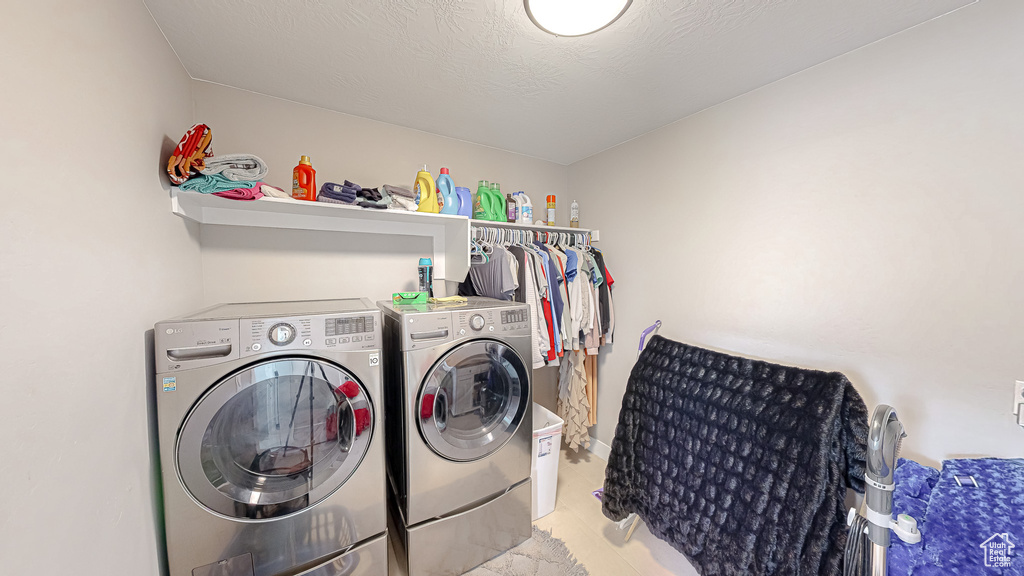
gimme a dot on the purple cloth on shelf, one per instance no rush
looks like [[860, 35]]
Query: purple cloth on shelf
[[338, 193]]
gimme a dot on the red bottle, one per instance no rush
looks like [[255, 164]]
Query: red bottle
[[304, 180]]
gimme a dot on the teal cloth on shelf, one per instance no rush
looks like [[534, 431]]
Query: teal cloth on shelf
[[205, 184]]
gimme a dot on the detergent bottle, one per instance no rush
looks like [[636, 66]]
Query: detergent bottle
[[482, 204], [446, 190], [518, 198], [511, 207], [465, 201], [526, 214], [304, 180], [424, 186], [497, 204]]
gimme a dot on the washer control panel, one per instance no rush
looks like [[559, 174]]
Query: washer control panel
[[475, 323], [357, 331]]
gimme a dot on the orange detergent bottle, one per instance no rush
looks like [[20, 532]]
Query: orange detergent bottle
[[304, 180]]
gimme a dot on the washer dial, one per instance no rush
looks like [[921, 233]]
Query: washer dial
[[476, 322], [282, 334]]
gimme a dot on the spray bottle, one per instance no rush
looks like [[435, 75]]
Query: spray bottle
[[551, 209], [424, 187]]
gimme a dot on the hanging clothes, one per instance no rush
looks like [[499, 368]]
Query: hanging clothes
[[573, 405], [590, 368], [568, 289], [495, 278]]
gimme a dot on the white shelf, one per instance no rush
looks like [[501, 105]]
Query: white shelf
[[449, 235]]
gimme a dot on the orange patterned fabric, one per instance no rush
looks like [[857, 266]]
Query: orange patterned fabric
[[191, 153]]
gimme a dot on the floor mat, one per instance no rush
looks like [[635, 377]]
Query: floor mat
[[541, 555]]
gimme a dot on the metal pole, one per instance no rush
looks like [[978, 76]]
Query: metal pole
[[878, 560]]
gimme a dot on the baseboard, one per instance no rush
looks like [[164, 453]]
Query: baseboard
[[599, 449]]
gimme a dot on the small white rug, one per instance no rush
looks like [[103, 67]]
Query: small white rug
[[541, 555]]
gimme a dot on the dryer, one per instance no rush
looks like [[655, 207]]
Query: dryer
[[271, 440], [458, 397]]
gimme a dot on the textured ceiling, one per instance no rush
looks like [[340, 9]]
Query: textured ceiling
[[481, 71]]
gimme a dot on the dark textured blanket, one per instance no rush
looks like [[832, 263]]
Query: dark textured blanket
[[741, 465]]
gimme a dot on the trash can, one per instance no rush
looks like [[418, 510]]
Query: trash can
[[547, 440]]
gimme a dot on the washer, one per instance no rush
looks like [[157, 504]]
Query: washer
[[271, 440], [460, 421]]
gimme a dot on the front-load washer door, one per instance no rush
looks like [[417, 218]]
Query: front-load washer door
[[473, 400], [274, 438]]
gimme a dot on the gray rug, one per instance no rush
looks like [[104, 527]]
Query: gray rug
[[541, 555]]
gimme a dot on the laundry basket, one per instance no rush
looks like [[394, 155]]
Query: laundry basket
[[547, 439]]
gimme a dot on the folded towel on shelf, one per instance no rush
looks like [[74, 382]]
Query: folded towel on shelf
[[216, 183], [338, 193], [190, 154], [401, 198], [741, 465], [399, 192], [273, 191], [369, 194], [373, 198], [237, 167], [253, 193]]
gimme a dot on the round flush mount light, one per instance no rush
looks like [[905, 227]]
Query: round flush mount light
[[575, 17]]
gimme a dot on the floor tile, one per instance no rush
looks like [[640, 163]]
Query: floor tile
[[579, 474]]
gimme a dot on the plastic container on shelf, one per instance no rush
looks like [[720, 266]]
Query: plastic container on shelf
[[304, 180], [427, 192], [482, 202], [465, 201], [526, 214], [446, 193], [498, 211], [547, 441]]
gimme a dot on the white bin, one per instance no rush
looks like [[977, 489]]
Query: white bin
[[547, 440]]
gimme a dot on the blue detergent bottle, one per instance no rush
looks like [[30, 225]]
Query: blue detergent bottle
[[446, 190]]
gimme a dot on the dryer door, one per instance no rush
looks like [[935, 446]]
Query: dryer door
[[274, 438], [473, 400]]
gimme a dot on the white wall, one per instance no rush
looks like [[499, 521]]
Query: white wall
[[263, 264], [864, 216], [93, 101]]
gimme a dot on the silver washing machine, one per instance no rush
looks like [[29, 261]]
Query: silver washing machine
[[271, 439], [460, 423]]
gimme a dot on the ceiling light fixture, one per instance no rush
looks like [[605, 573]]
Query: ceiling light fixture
[[575, 17]]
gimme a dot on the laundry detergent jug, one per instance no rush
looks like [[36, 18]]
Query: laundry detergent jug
[[497, 213], [526, 213], [465, 201], [424, 187], [482, 203], [446, 190]]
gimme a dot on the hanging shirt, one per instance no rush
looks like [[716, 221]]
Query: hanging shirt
[[494, 278]]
